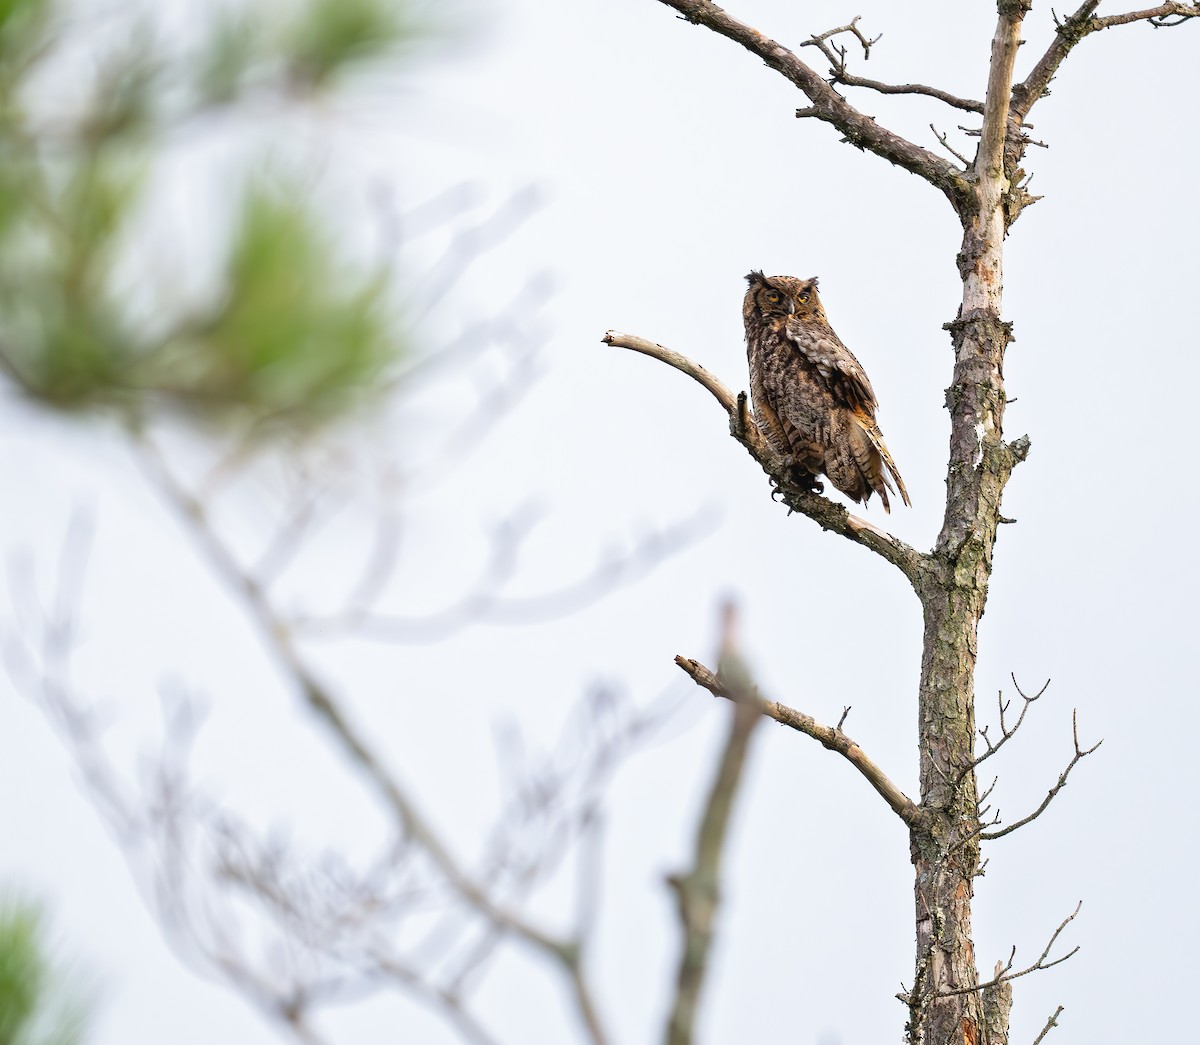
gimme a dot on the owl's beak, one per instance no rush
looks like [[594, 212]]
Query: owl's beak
[[791, 307]]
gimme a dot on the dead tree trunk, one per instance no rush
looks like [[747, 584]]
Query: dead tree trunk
[[948, 1003], [953, 591]]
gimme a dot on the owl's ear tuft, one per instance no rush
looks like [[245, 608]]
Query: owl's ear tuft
[[813, 282], [755, 276]]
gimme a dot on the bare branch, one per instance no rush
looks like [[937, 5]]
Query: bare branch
[[1004, 976], [1006, 733], [827, 514], [821, 40], [950, 148], [1071, 30], [836, 56], [287, 541], [984, 797], [446, 1001], [827, 105], [1080, 753], [1051, 1023], [380, 562], [485, 600], [693, 370], [698, 891], [965, 104], [326, 707], [826, 736]]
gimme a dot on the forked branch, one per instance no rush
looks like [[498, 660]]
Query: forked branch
[[838, 73], [1074, 28], [826, 513], [1006, 733], [828, 737], [821, 40], [1080, 753], [326, 706], [827, 105], [1005, 974]]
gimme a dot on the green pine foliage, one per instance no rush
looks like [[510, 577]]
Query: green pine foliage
[[298, 335], [293, 336], [38, 1004], [330, 35]]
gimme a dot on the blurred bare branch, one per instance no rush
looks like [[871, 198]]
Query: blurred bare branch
[[698, 890], [486, 602], [293, 933], [470, 243]]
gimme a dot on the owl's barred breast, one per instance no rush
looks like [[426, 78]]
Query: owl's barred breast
[[811, 396]]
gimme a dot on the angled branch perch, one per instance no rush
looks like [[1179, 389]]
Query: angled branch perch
[[828, 514]]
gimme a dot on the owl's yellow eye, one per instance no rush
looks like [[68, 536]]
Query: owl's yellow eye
[[773, 297], [803, 297]]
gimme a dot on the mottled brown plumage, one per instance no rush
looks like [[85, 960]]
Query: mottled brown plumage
[[811, 396]]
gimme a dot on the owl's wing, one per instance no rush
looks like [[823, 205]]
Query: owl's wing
[[835, 363]]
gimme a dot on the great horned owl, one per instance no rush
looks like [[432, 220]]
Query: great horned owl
[[811, 396]]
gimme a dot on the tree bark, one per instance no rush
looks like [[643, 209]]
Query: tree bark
[[953, 592]]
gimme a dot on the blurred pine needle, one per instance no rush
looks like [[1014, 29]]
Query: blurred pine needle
[[298, 335]]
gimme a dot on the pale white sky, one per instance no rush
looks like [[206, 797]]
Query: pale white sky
[[670, 164]]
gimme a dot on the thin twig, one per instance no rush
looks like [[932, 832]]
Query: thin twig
[[485, 601], [327, 708], [446, 1001], [1073, 29], [828, 737], [858, 129], [1006, 733], [820, 39], [1080, 753], [1039, 966], [1051, 1023], [950, 148], [836, 56]]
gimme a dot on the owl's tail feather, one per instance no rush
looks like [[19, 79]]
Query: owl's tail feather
[[876, 476]]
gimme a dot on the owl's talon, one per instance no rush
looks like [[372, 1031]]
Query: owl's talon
[[808, 482]]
